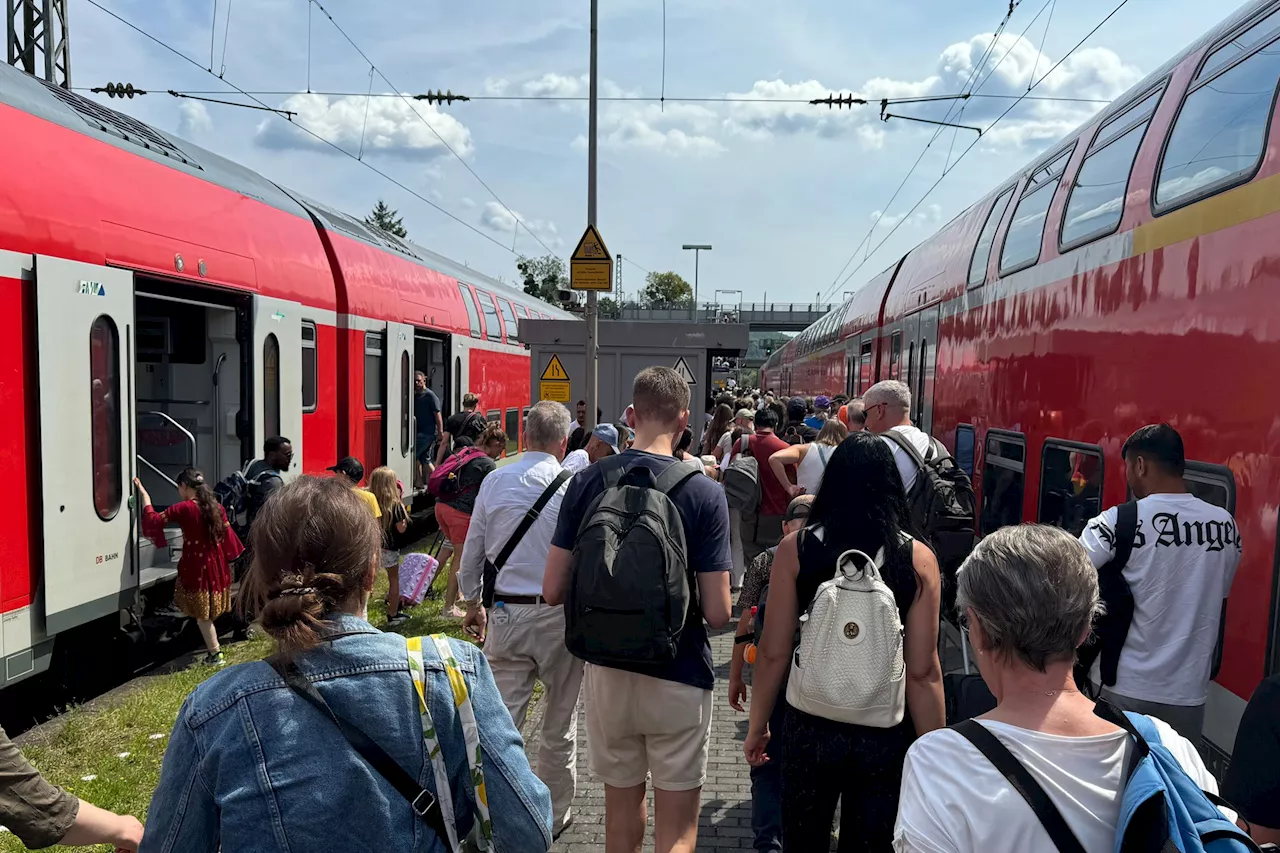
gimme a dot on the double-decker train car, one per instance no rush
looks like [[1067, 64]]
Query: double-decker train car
[[1127, 276], [161, 306]]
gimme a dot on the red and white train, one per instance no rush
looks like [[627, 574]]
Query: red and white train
[[1130, 275], [160, 306]]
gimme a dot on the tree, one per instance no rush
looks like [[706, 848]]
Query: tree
[[543, 276], [663, 289], [386, 218], [609, 308]]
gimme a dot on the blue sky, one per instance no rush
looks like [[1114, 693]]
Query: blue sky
[[784, 192]]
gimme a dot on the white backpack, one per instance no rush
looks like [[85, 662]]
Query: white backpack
[[849, 665]]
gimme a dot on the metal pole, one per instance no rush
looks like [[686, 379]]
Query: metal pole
[[697, 253], [593, 318]]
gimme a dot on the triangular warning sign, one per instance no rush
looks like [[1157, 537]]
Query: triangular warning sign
[[591, 247], [685, 373], [555, 371]]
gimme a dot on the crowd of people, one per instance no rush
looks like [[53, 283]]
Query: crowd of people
[[598, 563]]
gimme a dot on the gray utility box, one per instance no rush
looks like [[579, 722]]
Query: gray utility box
[[625, 349]]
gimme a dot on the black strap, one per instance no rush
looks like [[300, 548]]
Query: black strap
[[1023, 782], [676, 475], [422, 801], [1126, 532], [901, 440], [529, 518]]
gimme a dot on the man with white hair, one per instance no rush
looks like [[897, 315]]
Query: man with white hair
[[525, 639], [887, 406]]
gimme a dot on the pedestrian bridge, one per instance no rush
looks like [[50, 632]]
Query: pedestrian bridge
[[759, 316]]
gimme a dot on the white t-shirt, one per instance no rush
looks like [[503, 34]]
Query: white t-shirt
[[906, 465], [1184, 558], [955, 801], [576, 461]]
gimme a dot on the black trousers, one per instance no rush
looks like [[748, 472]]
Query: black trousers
[[861, 767]]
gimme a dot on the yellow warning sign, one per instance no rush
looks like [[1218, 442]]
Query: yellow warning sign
[[555, 371], [556, 391], [591, 266]]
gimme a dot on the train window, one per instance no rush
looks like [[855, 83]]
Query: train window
[[1097, 199], [864, 369], [911, 363], [918, 393], [982, 251], [509, 320], [493, 416], [524, 419], [473, 315], [524, 315], [1070, 484], [373, 370], [512, 428], [1026, 231], [271, 386], [457, 383], [406, 404], [964, 448], [895, 356], [1220, 133], [491, 328], [310, 371], [104, 417], [1214, 484], [1240, 45], [1003, 473]]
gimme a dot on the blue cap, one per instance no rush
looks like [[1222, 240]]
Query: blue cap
[[607, 433]]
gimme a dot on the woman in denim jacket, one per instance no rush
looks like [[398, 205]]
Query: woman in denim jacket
[[253, 766]]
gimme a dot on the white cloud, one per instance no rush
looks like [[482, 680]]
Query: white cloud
[[468, 203], [927, 216], [497, 218], [795, 115], [496, 86], [393, 126], [193, 119]]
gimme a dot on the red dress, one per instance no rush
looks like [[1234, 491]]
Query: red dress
[[204, 572]]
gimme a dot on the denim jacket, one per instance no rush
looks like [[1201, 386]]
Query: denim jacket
[[251, 766]]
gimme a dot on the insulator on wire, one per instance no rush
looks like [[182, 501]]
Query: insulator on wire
[[838, 101], [119, 90], [438, 97]]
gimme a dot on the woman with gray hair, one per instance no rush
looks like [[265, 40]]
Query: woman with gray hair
[[1028, 595]]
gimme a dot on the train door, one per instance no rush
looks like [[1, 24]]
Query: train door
[[397, 413], [85, 334], [924, 331], [277, 374]]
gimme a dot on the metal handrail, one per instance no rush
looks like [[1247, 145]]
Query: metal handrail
[[180, 428], [162, 475]]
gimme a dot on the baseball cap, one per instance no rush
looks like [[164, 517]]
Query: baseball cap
[[822, 401], [607, 433], [350, 466], [798, 508], [795, 408]]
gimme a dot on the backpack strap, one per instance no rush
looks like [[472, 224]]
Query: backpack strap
[[1023, 782], [611, 470], [436, 812], [1126, 532], [675, 476], [901, 441]]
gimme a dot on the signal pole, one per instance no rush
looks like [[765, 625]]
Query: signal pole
[[593, 317], [39, 26]]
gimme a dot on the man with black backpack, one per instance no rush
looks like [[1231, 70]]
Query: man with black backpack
[[261, 478], [467, 424], [939, 492], [639, 558]]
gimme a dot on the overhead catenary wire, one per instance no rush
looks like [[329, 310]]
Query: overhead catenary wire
[[974, 144], [309, 132], [226, 31], [1035, 66], [413, 109]]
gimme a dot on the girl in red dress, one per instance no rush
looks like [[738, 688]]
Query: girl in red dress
[[209, 545]]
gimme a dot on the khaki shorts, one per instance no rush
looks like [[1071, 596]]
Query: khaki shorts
[[638, 725]]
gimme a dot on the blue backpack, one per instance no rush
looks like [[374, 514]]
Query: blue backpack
[[1162, 809]]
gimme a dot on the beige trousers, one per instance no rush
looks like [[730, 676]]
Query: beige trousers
[[525, 643]]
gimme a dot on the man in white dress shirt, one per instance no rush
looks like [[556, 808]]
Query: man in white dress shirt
[[525, 635]]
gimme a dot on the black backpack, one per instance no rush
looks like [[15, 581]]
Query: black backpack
[[241, 496], [942, 508], [1111, 629], [630, 591]]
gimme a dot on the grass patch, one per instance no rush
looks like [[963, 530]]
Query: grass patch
[[105, 753]]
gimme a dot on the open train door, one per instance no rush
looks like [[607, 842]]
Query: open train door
[[84, 332], [277, 374], [398, 409]]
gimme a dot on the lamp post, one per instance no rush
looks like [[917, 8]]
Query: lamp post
[[697, 254]]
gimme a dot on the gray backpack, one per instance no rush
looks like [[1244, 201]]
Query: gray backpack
[[629, 588], [741, 479]]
